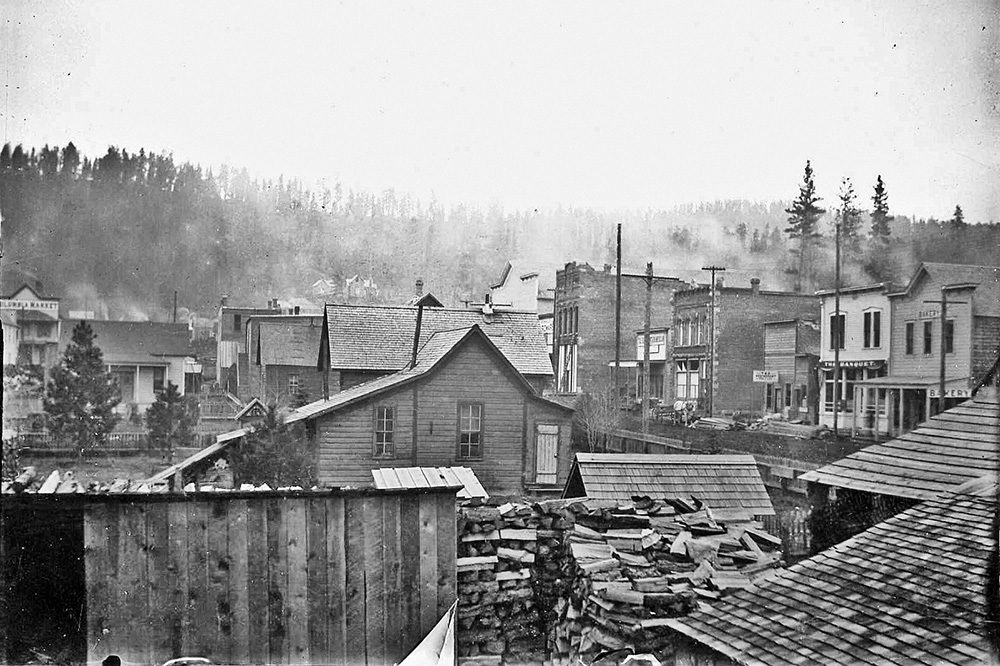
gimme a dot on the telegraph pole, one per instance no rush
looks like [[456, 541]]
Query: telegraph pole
[[618, 319], [944, 349], [711, 341], [836, 329], [645, 348]]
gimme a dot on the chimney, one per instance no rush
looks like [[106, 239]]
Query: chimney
[[755, 285], [416, 335], [296, 309], [225, 299], [718, 282], [607, 268], [419, 287]]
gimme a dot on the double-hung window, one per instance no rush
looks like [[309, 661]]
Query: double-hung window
[[385, 421], [838, 324], [928, 337], [873, 329], [909, 338], [949, 336], [470, 430]]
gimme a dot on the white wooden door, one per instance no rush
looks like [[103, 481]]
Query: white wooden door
[[546, 450]]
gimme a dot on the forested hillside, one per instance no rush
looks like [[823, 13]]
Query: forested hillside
[[128, 229]]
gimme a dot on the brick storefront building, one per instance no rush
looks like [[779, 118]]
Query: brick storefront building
[[726, 385], [584, 323]]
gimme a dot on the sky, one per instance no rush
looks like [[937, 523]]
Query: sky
[[606, 105]]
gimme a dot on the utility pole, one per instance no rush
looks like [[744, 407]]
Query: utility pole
[[711, 341], [944, 349], [618, 319], [175, 306], [645, 349], [836, 331]]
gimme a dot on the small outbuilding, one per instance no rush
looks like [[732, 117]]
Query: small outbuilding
[[730, 484]]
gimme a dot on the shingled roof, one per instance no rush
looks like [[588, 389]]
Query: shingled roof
[[131, 342], [908, 591], [361, 337], [944, 452], [434, 350], [727, 483]]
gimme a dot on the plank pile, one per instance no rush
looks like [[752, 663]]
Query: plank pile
[[566, 579]]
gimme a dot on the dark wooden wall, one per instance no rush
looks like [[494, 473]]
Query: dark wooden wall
[[320, 578]]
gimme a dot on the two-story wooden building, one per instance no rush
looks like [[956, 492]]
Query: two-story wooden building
[[231, 342], [462, 402], [861, 332], [791, 355], [946, 309], [38, 324]]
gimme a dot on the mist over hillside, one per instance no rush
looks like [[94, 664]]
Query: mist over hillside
[[118, 234]]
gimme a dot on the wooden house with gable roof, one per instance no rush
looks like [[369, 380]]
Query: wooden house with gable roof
[[463, 401]]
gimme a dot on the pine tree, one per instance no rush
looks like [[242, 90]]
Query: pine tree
[[880, 214], [803, 219], [849, 218], [5, 160], [170, 421], [70, 159], [958, 219], [81, 395]]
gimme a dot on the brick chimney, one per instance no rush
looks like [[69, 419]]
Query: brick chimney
[[755, 285], [225, 299], [419, 287]]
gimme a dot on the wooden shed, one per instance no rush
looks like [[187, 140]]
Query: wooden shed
[[292, 577]]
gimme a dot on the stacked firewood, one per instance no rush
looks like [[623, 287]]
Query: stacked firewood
[[563, 579], [639, 564]]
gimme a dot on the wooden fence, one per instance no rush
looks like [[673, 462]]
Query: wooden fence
[[248, 578]]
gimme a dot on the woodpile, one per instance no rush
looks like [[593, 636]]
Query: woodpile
[[568, 579]]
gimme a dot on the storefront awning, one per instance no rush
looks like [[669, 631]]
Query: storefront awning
[[911, 382]]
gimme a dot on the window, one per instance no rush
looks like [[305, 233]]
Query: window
[[928, 337], [566, 379], [909, 338], [470, 430], [158, 376], [237, 322], [700, 323], [293, 384], [949, 336], [788, 395], [845, 394], [384, 421], [838, 323], [873, 329], [688, 380]]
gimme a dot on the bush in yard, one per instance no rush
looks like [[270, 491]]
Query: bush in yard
[[273, 452], [81, 395], [170, 420]]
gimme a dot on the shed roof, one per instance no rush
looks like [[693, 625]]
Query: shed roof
[[428, 477], [289, 339], [724, 482], [133, 341], [944, 452], [363, 337], [907, 591]]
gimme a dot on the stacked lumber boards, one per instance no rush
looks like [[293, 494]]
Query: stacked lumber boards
[[635, 565]]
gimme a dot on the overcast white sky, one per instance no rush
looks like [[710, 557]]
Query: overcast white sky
[[530, 104]]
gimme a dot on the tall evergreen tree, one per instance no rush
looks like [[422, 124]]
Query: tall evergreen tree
[[958, 219], [803, 220], [170, 421], [880, 214], [5, 156], [70, 159], [81, 395], [849, 219]]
